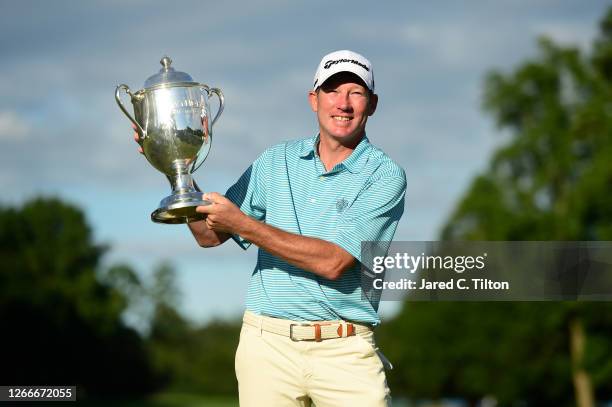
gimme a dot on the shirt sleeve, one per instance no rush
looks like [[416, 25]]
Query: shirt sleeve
[[249, 194], [373, 217]]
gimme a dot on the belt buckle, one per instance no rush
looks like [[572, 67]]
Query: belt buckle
[[291, 332]]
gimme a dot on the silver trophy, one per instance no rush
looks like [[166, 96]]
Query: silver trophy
[[172, 118]]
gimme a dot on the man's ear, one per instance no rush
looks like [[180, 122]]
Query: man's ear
[[373, 103], [312, 99]]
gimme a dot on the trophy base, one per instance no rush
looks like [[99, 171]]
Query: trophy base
[[180, 208]]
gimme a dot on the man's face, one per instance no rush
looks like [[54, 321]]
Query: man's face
[[343, 105]]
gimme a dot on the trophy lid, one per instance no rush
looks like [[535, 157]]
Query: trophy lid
[[167, 74]]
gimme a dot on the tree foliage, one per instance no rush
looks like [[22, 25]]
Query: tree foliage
[[61, 325], [553, 180], [189, 357]]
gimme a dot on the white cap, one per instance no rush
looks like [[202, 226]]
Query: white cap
[[344, 61]]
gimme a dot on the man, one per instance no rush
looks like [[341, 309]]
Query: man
[[308, 205]]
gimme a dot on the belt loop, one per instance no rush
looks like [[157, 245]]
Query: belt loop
[[317, 328], [260, 325]]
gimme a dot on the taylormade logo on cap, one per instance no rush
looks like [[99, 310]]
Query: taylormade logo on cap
[[344, 61], [329, 64]]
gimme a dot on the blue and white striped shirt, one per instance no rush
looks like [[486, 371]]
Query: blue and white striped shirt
[[360, 199]]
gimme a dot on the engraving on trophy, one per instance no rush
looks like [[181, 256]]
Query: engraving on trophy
[[172, 117]]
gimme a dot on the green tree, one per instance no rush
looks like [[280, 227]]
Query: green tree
[[552, 181], [188, 357], [61, 324]]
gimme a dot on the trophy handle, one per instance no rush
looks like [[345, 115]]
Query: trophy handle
[[219, 94], [127, 90], [200, 160]]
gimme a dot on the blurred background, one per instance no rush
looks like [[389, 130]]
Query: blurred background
[[500, 113]]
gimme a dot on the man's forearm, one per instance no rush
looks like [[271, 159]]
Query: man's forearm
[[315, 255], [312, 254]]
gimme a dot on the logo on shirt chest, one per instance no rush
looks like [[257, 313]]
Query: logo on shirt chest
[[341, 205]]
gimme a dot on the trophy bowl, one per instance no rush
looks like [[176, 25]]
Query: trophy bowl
[[172, 118]]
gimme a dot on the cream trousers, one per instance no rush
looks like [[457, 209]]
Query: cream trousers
[[274, 371]]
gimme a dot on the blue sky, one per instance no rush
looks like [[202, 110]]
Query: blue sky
[[62, 134]]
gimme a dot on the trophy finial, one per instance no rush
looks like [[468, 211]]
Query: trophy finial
[[166, 61], [167, 74]]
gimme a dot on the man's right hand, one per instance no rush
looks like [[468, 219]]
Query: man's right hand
[[137, 139]]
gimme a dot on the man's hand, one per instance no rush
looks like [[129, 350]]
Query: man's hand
[[137, 139], [222, 214]]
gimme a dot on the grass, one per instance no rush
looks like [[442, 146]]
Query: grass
[[167, 400]]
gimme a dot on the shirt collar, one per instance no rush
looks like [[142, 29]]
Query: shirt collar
[[308, 149], [353, 163]]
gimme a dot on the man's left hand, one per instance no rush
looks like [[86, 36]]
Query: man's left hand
[[222, 214]]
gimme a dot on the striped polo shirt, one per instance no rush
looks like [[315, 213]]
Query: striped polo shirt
[[360, 199]]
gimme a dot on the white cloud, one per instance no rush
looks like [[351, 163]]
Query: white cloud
[[13, 127], [566, 33]]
